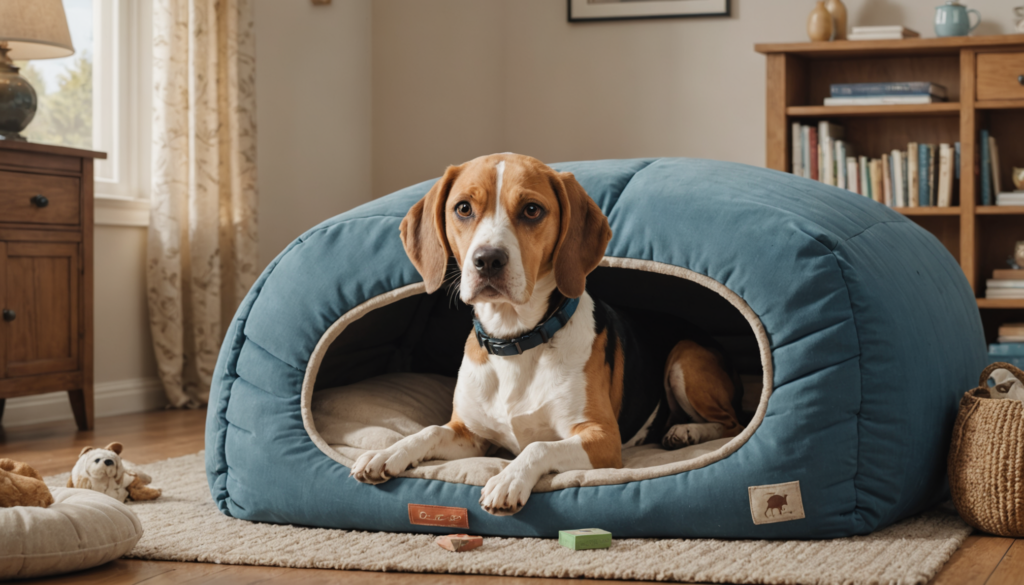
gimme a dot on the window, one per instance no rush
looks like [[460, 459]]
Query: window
[[64, 86], [99, 99]]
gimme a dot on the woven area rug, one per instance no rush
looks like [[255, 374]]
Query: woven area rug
[[184, 525]]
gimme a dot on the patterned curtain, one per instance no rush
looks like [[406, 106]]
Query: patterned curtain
[[202, 233]]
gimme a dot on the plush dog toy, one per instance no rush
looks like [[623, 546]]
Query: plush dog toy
[[20, 485], [103, 471]]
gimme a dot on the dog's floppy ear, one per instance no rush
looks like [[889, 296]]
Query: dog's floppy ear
[[423, 232], [583, 236], [115, 447], [85, 450]]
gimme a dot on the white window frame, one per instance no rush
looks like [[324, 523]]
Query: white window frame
[[122, 104]]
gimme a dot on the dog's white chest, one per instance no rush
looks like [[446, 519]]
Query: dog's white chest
[[513, 402]]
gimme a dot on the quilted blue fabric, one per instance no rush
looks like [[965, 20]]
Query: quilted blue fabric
[[874, 332]]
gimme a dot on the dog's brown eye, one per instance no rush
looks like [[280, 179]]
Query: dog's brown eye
[[464, 209], [532, 211]]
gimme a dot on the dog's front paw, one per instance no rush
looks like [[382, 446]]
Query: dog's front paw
[[505, 493], [375, 467], [685, 435]]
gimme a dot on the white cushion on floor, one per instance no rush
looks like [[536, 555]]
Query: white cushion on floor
[[82, 529]]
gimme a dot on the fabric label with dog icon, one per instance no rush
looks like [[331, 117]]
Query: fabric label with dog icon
[[447, 516], [778, 502]]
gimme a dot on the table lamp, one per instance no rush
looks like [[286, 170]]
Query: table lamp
[[29, 29]]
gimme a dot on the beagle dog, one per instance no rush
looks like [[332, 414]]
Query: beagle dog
[[559, 379]]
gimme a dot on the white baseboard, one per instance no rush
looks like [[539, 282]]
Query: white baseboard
[[110, 398]]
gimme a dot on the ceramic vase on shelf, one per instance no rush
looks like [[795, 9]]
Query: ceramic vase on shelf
[[838, 11], [819, 23]]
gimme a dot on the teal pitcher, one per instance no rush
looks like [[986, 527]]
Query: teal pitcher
[[953, 20]]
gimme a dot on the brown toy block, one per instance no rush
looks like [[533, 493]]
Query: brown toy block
[[459, 542]]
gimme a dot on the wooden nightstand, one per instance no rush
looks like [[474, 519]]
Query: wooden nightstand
[[46, 204]]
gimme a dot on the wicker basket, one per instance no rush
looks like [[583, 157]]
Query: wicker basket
[[986, 459]]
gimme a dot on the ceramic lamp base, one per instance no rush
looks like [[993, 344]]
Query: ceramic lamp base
[[17, 100]]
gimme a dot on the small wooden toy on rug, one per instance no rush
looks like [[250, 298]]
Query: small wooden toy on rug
[[459, 542], [102, 470], [585, 538], [20, 485]]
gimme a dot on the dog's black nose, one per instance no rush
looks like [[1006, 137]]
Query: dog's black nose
[[489, 261], [108, 462]]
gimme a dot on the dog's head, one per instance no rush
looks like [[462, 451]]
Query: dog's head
[[99, 463], [508, 220]]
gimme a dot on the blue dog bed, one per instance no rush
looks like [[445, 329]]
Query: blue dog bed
[[855, 329]]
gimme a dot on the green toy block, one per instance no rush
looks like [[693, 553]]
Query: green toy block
[[585, 538]]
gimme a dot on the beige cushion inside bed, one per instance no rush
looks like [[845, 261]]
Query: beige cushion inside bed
[[81, 529], [376, 413]]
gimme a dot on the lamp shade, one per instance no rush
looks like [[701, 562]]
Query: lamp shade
[[35, 29]]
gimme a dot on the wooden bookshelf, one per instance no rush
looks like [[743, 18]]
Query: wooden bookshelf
[[972, 69]]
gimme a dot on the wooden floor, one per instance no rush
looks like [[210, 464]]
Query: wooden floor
[[53, 448]]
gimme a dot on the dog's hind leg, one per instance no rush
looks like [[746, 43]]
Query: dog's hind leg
[[697, 384]]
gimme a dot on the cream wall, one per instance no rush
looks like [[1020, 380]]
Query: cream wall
[[453, 79], [313, 104]]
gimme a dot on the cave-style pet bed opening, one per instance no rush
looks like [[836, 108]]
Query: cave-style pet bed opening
[[355, 405], [853, 329]]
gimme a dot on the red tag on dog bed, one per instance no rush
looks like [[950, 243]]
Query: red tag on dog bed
[[438, 516]]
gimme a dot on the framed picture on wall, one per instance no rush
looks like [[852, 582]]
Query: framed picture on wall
[[584, 10]]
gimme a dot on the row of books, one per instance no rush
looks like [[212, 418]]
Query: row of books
[[924, 175], [1006, 284], [887, 93], [1011, 352]]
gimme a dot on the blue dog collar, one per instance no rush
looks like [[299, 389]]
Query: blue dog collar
[[539, 335]]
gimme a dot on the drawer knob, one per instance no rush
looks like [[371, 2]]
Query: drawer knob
[[1020, 79], [39, 201], [9, 315]]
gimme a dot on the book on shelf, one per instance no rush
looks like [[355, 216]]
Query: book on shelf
[[1006, 349], [887, 186], [1004, 293], [998, 283], [993, 151], [865, 176], [839, 158], [828, 133], [814, 153], [888, 89], [933, 174], [1011, 333], [924, 174], [852, 175], [945, 188], [797, 146], [912, 175], [882, 100], [1007, 274], [886, 33], [877, 188], [1014, 198], [986, 176], [896, 166], [806, 150]]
